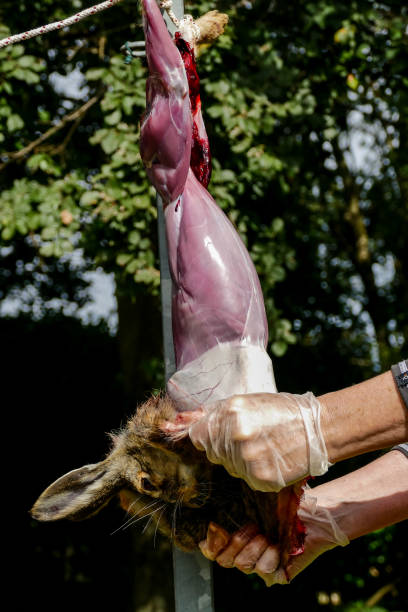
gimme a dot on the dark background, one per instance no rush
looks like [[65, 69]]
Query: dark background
[[71, 375], [306, 106]]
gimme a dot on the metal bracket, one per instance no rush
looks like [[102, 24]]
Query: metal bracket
[[129, 54]]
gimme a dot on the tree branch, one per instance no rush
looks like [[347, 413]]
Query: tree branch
[[60, 148], [378, 595], [354, 217], [17, 156], [359, 251]]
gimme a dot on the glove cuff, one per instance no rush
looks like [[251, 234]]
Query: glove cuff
[[310, 409], [318, 456], [323, 520]]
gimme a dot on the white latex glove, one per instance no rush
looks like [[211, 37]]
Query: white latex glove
[[251, 552], [270, 440]]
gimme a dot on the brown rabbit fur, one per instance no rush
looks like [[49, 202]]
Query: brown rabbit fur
[[173, 483]]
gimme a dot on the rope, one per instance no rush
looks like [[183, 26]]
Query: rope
[[188, 28], [58, 25], [167, 5]]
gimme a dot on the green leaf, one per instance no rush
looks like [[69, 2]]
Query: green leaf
[[279, 348], [114, 117], [331, 133], [47, 250], [352, 82], [277, 225], [127, 104], [111, 142], [95, 74], [90, 198], [8, 232], [27, 61], [147, 276], [134, 237], [49, 233], [14, 122], [26, 75], [123, 259]]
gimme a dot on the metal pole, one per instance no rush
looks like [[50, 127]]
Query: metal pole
[[193, 583], [193, 588]]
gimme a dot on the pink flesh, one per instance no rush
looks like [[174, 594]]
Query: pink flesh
[[217, 296], [166, 130]]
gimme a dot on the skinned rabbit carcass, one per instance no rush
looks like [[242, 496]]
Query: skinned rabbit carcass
[[220, 329]]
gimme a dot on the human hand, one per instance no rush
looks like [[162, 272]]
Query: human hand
[[270, 440], [251, 552]]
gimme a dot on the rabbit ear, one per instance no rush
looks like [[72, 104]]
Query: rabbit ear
[[79, 494]]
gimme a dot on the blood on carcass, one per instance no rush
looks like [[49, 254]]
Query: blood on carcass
[[200, 161]]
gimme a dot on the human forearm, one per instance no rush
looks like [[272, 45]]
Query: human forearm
[[366, 417], [369, 498]]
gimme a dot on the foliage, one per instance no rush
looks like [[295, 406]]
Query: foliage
[[308, 76], [306, 108]]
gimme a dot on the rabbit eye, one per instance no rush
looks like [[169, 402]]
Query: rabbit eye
[[147, 485]]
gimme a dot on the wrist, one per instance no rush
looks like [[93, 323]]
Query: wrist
[[370, 498]]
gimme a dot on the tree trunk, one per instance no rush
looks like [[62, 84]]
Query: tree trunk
[[140, 342], [140, 346]]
